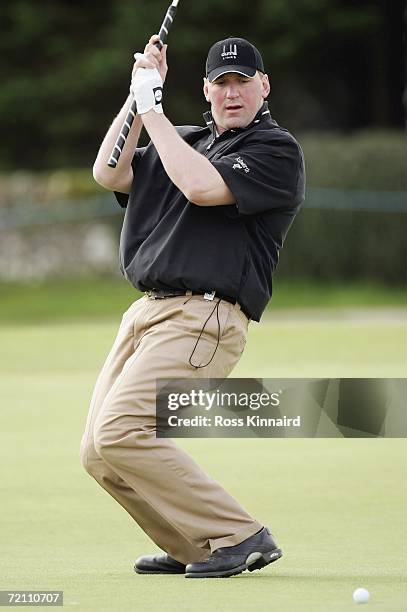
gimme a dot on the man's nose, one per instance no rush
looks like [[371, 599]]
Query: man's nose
[[232, 91]]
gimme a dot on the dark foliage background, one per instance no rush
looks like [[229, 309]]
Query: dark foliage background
[[334, 65]]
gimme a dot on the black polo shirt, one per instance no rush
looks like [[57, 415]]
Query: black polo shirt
[[169, 243]]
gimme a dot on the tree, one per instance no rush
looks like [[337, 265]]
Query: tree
[[333, 64]]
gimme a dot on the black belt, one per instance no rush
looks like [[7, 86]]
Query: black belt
[[161, 294]]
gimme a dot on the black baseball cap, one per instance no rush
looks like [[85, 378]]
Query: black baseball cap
[[233, 55]]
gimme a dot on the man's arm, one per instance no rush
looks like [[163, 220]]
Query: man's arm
[[121, 177], [190, 171]]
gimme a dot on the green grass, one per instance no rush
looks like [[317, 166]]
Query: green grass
[[101, 298], [337, 507]]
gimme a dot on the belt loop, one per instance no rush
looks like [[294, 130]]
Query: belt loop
[[189, 294]]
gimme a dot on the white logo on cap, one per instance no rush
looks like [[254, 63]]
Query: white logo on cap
[[232, 53]]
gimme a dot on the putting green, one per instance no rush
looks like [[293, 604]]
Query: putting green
[[337, 507]]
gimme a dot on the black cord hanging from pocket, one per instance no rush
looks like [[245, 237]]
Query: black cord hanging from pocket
[[216, 307]]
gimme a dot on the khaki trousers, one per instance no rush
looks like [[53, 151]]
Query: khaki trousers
[[182, 509]]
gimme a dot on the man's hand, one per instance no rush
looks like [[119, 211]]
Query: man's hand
[[147, 90], [152, 58], [149, 72]]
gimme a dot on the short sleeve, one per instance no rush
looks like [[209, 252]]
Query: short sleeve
[[123, 198], [265, 176]]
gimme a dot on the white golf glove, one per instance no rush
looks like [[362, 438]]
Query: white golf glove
[[147, 89]]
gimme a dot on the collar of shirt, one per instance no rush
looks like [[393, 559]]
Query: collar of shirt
[[262, 115]]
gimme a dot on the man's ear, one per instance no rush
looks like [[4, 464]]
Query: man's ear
[[206, 89], [266, 85]]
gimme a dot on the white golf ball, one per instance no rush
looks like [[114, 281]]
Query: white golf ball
[[361, 596]]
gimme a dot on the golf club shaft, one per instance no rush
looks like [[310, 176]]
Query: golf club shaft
[[124, 132]]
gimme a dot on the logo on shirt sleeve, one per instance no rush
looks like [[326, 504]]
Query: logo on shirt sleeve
[[241, 165]]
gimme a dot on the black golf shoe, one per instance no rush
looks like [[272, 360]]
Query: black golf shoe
[[254, 553], [160, 563]]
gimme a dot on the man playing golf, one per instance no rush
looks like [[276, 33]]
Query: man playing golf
[[207, 210]]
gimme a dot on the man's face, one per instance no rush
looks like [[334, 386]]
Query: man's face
[[236, 99]]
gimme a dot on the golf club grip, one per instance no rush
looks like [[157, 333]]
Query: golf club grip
[[124, 132]]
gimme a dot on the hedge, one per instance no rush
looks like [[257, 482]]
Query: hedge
[[362, 160], [323, 244]]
